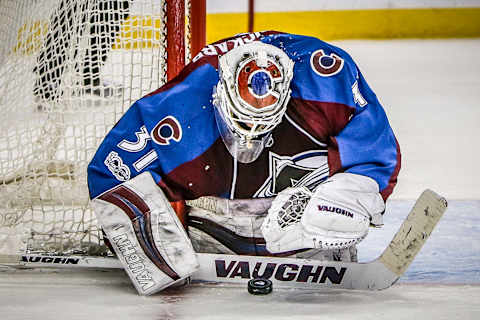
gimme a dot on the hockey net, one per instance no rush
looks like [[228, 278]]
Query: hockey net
[[68, 71]]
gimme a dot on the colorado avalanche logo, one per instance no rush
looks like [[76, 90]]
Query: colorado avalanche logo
[[167, 129], [256, 84], [326, 65]]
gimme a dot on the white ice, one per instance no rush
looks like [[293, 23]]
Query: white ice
[[430, 90]]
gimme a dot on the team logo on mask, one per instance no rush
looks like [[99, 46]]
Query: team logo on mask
[[256, 84], [326, 65], [167, 129]]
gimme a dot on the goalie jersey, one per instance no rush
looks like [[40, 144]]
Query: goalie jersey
[[333, 123]]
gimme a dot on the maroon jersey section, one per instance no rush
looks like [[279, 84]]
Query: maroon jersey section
[[210, 174], [297, 154], [287, 142]]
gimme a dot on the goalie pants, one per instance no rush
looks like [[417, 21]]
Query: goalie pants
[[236, 230]]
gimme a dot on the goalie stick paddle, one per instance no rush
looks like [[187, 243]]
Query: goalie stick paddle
[[378, 274]]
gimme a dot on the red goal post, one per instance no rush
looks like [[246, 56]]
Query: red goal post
[[196, 13]]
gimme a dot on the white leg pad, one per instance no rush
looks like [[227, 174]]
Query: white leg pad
[[146, 234]]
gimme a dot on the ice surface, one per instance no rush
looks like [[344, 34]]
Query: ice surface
[[451, 254], [430, 90], [94, 295]]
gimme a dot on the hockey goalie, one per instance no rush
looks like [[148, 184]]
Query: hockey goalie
[[267, 143]]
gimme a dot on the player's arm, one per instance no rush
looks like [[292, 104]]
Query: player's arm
[[364, 160], [366, 145], [141, 225], [117, 158]]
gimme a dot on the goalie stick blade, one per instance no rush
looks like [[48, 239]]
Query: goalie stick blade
[[58, 262], [294, 273], [414, 232], [309, 274], [221, 268], [290, 272]]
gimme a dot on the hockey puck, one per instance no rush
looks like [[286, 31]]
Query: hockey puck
[[259, 286]]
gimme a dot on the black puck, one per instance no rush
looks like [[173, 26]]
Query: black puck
[[259, 286]]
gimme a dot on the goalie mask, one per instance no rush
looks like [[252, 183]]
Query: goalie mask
[[251, 97]]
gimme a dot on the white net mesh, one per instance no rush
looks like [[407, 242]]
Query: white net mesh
[[68, 71]]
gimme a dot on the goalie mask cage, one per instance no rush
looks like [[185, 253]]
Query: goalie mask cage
[[69, 69]]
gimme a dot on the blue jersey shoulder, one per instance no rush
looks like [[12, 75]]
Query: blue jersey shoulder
[[190, 104], [159, 132], [327, 74], [322, 72]]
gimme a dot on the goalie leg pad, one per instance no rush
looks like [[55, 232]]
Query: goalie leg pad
[[146, 234]]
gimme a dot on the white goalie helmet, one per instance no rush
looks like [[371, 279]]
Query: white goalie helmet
[[251, 97]]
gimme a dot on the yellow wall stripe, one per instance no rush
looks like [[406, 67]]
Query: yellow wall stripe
[[326, 25], [136, 32], [355, 24], [139, 32]]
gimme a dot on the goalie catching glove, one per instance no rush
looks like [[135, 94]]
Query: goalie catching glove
[[146, 234], [335, 216]]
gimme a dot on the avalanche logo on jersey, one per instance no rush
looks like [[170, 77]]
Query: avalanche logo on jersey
[[255, 84], [326, 65], [307, 169], [167, 129]]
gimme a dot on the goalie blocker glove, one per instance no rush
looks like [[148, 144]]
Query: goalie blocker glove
[[335, 216], [146, 234]]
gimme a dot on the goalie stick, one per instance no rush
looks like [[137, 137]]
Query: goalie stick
[[378, 274]]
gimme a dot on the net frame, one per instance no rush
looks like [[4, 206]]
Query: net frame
[[44, 205]]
